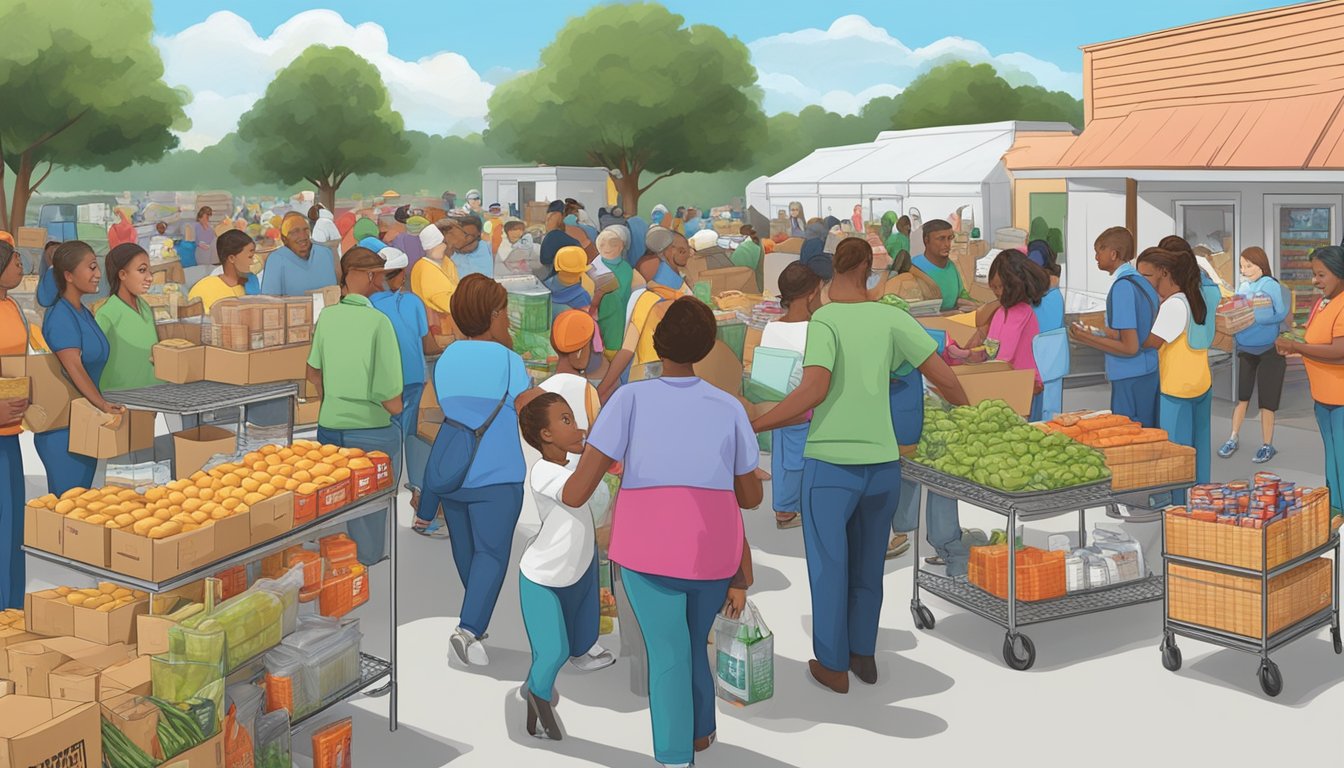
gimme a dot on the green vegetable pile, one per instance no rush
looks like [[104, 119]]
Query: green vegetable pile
[[120, 752], [179, 730], [274, 755], [991, 445]]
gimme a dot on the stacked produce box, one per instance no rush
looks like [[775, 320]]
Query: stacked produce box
[[1136, 456], [259, 322]]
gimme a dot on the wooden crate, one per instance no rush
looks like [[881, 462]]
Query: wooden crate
[[1173, 465], [1231, 603], [1271, 546]]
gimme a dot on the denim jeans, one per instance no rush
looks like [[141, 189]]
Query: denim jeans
[[847, 513], [676, 616], [1186, 420], [786, 467], [416, 450], [942, 521], [370, 531], [561, 622], [1330, 419], [12, 576], [481, 522], [1136, 397]]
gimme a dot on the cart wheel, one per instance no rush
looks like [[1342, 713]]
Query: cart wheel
[[1271, 682], [1334, 635], [1171, 656], [922, 615], [1010, 655]]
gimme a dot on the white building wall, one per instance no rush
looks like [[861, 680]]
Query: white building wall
[[1095, 205]]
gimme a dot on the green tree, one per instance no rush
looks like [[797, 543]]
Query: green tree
[[323, 118], [82, 85], [959, 93], [628, 88]]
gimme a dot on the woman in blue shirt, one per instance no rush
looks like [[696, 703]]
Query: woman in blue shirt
[[82, 349], [475, 376], [1260, 363]]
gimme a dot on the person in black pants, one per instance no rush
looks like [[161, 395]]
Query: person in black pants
[[1259, 363]]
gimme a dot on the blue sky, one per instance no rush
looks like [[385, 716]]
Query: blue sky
[[1048, 29], [441, 61]]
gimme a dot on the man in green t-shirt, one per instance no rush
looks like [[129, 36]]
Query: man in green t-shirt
[[936, 262], [851, 463]]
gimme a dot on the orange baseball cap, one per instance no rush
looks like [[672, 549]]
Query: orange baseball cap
[[572, 330]]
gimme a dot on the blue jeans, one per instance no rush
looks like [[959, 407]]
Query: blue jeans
[[370, 531], [786, 467], [417, 450], [676, 616], [847, 513], [1037, 404], [1330, 418], [561, 622], [481, 522], [65, 470], [1186, 420], [943, 523], [1137, 398], [12, 576]]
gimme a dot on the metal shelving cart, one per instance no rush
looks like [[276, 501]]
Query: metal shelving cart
[[1018, 650], [1271, 680], [372, 668]]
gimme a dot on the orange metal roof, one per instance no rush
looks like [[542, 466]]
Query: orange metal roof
[[1037, 149]]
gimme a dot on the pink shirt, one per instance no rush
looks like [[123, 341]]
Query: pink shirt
[[1015, 328], [677, 531]]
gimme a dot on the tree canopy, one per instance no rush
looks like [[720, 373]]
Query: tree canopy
[[959, 93], [630, 89], [323, 118], [82, 86]]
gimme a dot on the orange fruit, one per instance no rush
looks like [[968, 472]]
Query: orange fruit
[[230, 503], [251, 458], [192, 492], [250, 484], [269, 450], [306, 489], [230, 481], [267, 490], [204, 481], [286, 454], [284, 470], [302, 476], [323, 470], [253, 498], [191, 505], [340, 473], [305, 464], [291, 484]]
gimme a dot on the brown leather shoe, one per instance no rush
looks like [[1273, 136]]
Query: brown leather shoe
[[864, 668], [836, 681], [702, 744]]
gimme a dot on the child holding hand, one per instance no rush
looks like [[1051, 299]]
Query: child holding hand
[[557, 580]]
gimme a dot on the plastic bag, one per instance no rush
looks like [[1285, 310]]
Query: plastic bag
[[240, 725], [744, 657], [1124, 550], [287, 589], [273, 741]]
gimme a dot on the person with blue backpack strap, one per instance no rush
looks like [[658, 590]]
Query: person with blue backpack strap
[[1182, 335], [1131, 308], [1258, 362]]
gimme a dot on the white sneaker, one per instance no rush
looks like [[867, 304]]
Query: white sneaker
[[468, 648], [596, 658]]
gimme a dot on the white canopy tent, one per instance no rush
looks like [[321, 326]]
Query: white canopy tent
[[936, 170]]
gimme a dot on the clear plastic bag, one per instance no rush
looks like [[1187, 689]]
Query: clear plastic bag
[[1123, 551], [744, 652], [273, 741], [287, 589]]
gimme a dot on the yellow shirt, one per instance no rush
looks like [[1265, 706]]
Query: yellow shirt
[[1183, 371], [653, 296], [212, 289], [1325, 325], [434, 283]]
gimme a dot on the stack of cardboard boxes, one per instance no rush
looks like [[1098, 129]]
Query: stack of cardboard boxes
[[252, 340]]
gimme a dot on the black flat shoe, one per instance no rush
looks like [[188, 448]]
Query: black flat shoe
[[539, 709]]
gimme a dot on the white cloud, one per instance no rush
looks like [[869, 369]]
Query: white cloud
[[853, 61], [227, 67]]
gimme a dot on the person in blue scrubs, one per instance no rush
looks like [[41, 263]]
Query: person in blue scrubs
[[1049, 318], [82, 348], [1131, 308]]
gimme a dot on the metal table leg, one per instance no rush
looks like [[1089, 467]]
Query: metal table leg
[[922, 616], [390, 687], [1012, 640]]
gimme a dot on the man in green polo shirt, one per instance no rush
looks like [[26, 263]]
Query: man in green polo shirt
[[936, 262], [356, 366]]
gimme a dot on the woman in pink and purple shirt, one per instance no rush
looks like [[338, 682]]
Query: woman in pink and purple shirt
[[689, 457], [1019, 285]]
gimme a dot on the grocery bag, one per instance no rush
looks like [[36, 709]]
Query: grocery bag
[[744, 657]]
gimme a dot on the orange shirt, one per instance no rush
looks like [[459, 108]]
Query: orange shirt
[[13, 341], [1325, 325]]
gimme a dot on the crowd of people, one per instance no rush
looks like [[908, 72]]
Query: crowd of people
[[684, 453]]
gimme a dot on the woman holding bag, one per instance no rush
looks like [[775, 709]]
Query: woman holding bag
[[481, 384], [16, 337]]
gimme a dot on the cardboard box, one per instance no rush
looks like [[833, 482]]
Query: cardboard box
[[178, 365], [996, 380], [190, 309], [721, 368], [132, 677], [306, 411], [49, 408], [109, 627], [232, 535], [85, 542], [331, 498], [326, 297], [189, 330], [161, 559], [299, 335], [8, 637], [430, 416], [192, 448], [257, 367], [42, 529], [103, 436], [208, 754], [151, 634], [31, 663], [6, 688], [31, 237], [298, 313], [37, 731], [272, 517], [133, 715], [48, 614], [956, 331]]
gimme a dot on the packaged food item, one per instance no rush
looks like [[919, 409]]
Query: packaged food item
[[331, 745], [339, 551], [360, 587], [337, 596], [273, 740], [312, 571], [240, 724]]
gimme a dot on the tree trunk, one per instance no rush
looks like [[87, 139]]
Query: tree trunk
[[22, 194], [326, 195], [628, 188]]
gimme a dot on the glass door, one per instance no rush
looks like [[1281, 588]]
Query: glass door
[[1211, 229], [1299, 226]]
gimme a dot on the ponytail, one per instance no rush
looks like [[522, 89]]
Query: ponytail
[[66, 258], [1181, 266]]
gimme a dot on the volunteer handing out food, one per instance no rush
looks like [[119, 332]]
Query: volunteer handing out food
[[83, 351], [851, 467]]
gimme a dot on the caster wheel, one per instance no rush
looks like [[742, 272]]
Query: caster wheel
[[1271, 682], [1334, 635], [1020, 661], [1171, 657], [926, 616]]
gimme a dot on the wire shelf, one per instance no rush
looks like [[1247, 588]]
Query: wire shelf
[[1027, 506], [200, 396], [371, 670], [967, 596]]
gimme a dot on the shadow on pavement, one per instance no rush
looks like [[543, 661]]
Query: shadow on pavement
[[1309, 667], [406, 748]]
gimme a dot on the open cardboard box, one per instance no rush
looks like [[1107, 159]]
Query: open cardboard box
[[31, 665], [261, 366], [232, 535], [132, 677], [105, 436], [192, 448], [271, 518], [49, 406], [178, 365], [996, 380], [43, 529], [207, 754], [141, 557], [109, 627], [306, 411], [9, 637], [85, 542], [133, 715], [956, 330], [37, 731], [48, 614]]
